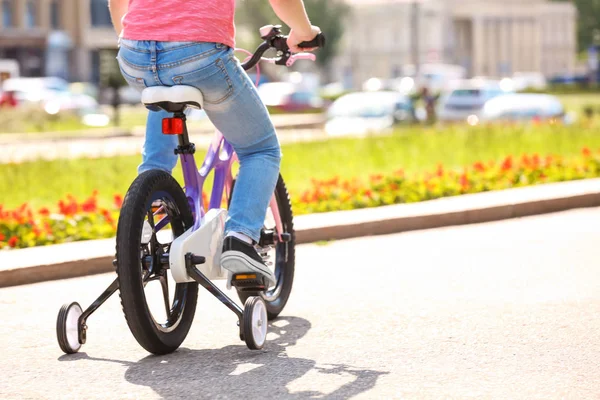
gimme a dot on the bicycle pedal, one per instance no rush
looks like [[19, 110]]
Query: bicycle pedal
[[248, 282]]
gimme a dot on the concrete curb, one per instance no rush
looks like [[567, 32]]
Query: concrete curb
[[19, 267]]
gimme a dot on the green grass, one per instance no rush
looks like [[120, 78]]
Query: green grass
[[42, 183], [577, 102], [36, 121]]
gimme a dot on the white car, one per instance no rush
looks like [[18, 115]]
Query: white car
[[467, 98], [52, 94], [525, 107], [364, 112]]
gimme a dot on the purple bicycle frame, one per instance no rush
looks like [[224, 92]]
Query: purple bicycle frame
[[220, 157]]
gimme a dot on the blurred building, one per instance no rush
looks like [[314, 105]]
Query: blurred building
[[488, 37], [56, 37]]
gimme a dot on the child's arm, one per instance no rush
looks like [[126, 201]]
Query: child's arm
[[118, 9], [293, 14]]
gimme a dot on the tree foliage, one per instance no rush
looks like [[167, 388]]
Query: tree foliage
[[588, 21]]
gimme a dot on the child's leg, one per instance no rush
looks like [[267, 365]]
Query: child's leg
[[157, 152], [244, 121]]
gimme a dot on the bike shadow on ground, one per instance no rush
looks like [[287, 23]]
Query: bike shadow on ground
[[236, 372]]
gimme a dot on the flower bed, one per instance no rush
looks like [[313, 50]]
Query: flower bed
[[73, 220], [396, 188]]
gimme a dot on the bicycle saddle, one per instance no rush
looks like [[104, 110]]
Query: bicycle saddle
[[172, 99]]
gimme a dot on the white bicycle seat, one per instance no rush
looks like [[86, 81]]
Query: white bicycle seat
[[172, 99]]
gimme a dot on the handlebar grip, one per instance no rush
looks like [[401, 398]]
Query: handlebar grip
[[318, 41]]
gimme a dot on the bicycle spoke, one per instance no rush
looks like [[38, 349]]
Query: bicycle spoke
[[146, 278], [165, 287], [151, 219]]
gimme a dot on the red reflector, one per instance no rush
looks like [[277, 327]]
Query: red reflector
[[172, 126]]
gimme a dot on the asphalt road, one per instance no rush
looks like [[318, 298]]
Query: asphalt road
[[506, 310]]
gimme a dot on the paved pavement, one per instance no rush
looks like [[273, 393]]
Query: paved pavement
[[94, 147], [17, 148], [500, 310]]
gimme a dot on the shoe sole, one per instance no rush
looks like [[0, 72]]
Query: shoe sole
[[239, 263]]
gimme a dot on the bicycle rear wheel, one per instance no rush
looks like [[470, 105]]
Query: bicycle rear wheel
[[159, 323], [283, 255]]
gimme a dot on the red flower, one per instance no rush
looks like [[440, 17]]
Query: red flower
[[2, 237], [479, 167], [47, 228], [376, 178], [68, 209], [507, 164], [586, 152], [394, 186], [89, 205], [305, 197], [106, 214], [369, 194], [440, 170], [464, 181], [44, 212], [36, 231], [118, 200], [12, 242]]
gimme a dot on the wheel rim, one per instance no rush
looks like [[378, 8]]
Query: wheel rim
[[259, 323], [165, 299], [72, 326]]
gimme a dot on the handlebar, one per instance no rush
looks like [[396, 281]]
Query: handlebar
[[273, 38], [318, 41]]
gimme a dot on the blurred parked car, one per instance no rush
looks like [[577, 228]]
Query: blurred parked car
[[467, 98], [363, 112], [52, 94], [289, 97], [525, 107]]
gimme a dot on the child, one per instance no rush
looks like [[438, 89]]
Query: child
[[190, 42]]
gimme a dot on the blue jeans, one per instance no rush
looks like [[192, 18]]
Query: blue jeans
[[231, 103]]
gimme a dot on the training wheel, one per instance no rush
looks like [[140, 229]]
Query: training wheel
[[67, 328], [255, 322]]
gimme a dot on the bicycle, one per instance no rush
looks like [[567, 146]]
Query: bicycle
[[164, 227]]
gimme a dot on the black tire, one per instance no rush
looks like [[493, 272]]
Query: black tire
[[148, 188], [61, 328], [253, 342], [277, 297]]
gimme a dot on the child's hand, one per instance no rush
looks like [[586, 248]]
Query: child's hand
[[295, 38]]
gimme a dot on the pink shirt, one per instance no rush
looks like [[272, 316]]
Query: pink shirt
[[181, 21]]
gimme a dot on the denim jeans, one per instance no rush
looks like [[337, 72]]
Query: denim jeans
[[231, 103]]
